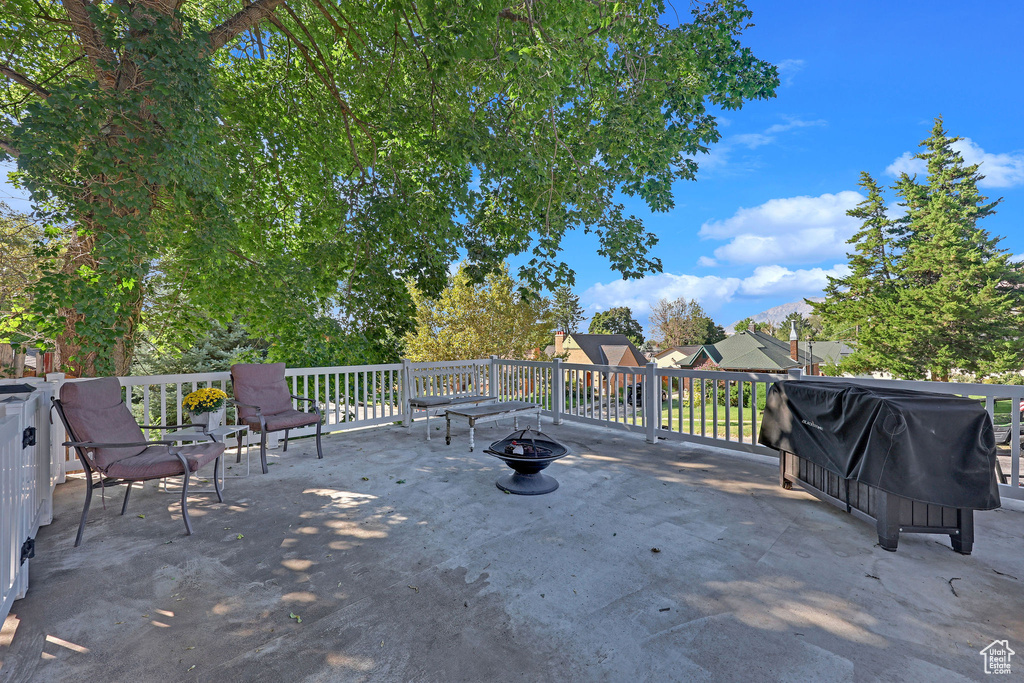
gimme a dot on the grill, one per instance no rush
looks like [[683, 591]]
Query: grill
[[527, 452]]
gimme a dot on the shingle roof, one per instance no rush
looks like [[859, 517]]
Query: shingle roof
[[688, 350], [756, 351], [591, 345], [614, 354], [832, 351]]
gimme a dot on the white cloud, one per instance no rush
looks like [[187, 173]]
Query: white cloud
[[788, 230], [1000, 170], [720, 154], [789, 68], [707, 262], [778, 280], [710, 291]]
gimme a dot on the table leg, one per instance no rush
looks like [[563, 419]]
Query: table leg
[[428, 424], [448, 430], [538, 419], [515, 423], [472, 428]]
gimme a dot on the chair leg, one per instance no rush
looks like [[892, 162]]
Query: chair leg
[[216, 482], [128, 492], [85, 510], [239, 458], [263, 451], [319, 448], [285, 450], [184, 503]]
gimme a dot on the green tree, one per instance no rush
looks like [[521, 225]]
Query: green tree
[[743, 325], [618, 320], [310, 156], [19, 270], [566, 312], [477, 320], [803, 327], [680, 322], [930, 292]]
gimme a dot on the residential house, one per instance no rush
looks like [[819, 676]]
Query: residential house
[[670, 357], [750, 351], [601, 349]]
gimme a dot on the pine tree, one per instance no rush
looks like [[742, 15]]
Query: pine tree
[[960, 302], [566, 311], [931, 291], [856, 302]]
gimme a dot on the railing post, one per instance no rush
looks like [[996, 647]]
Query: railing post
[[652, 404], [492, 378], [796, 373], [557, 391], [406, 392]]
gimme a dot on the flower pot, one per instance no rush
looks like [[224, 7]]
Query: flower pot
[[209, 420]]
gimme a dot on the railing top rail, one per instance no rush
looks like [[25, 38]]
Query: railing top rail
[[335, 369], [525, 363], [620, 369], [442, 365], [723, 375], [138, 380], [994, 390]]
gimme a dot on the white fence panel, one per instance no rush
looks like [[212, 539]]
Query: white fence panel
[[715, 408]]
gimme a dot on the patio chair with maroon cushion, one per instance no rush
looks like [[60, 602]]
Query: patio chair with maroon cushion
[[265, 404], [110, 443]]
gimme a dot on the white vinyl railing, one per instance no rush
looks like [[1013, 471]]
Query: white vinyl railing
[[714, 408], [27, 480]]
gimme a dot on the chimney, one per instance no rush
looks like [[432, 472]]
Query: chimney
[[794, 353], [559, 340]]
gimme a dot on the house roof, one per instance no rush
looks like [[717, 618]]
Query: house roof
[[688, 350], [614, 355], [591, 345], [754, 351], [832, 351]]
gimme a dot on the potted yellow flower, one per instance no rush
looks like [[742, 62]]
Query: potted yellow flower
[[206, 407]]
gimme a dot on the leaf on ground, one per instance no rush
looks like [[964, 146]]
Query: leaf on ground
[[141, 516], [415, 588], [239, 537], [296, 617], [366, 479], [400, 481], [192, 667]]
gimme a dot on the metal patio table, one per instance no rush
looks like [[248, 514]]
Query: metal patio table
[[491, 412]]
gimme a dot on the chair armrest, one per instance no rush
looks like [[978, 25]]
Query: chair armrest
[[95, 444], [316, 405], [166, 426], [244, 405]]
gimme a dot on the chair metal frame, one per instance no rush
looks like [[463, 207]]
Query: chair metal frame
[[84, 451]]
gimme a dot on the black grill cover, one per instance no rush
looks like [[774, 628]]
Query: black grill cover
[[932, 448]]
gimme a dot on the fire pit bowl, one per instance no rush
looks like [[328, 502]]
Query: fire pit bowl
[[527, 452]]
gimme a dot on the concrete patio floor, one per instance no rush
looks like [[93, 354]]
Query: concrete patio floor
[[405, 562]]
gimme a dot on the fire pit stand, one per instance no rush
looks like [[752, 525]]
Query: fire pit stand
[[527, 452]]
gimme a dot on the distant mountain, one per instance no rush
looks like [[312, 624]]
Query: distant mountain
[[780, 312]]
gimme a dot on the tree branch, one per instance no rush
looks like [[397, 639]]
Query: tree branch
[[10, 73], [101, 57], [9, 148], [243, 21]]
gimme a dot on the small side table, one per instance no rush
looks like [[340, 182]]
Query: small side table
[[219, 435]]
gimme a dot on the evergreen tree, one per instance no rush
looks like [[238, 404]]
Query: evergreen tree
[[618, 320], [931, 291], [744, 325], [566, 311]]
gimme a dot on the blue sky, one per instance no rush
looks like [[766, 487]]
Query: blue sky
[[765, 222], [861, 84]]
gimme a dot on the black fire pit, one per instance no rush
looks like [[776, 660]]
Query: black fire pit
[[527, 452]]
